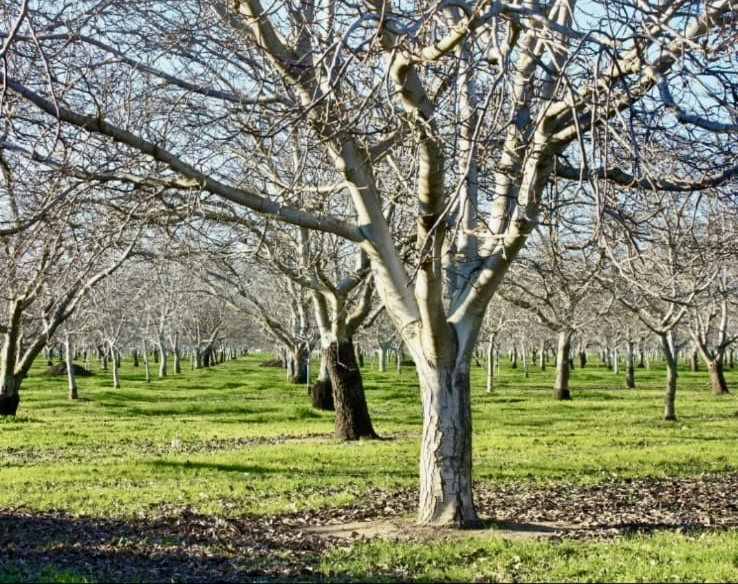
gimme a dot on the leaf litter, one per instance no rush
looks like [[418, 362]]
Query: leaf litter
[[176, 544]]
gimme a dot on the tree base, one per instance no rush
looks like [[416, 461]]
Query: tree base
[[9, 404], [562, 394], [322, 396]]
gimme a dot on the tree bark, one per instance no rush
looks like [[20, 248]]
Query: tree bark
[[694, 362], [352, 414], [69, 360], [717, 377], [490, 364], [297, 365], [162, 352], [561, 383], [445, 459], [542, 363], [671, 378], [147, 367], [630, 366], [116, 366], [582, 359], [384, 349], [9, 396]]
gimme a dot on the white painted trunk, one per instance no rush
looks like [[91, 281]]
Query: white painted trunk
[[147, 366], [69, 361], [116, 366], [490, 365], [162, 357], [446, 450], [563, 354], [384, 349]]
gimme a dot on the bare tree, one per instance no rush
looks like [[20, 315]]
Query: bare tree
[[49, 263], [660, 271], [478, 104], [553, 279]]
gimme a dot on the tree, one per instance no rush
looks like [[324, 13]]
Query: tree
[[709, 318], [660, 271], [316, 269], [51, 257], [554, 280], [478, 104]]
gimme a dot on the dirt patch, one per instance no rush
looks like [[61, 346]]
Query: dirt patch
[[407, 530]]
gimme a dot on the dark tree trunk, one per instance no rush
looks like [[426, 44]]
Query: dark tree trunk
[[630, 367], [322, 395], [352, 413], [9, 403], [297, 365], [582, 359], [671, 378], [693, 362]]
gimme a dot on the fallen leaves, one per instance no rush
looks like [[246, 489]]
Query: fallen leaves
[[178, 544]]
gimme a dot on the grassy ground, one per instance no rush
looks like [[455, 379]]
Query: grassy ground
[[237, 444]]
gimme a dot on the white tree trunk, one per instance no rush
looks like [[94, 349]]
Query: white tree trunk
[[69, 361], [116, 366], [490, 364], [147, 367], [162, 357], [563, 354], [383, 354], [445, 460]]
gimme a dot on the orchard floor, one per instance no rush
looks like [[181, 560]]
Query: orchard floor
[[176, 544]]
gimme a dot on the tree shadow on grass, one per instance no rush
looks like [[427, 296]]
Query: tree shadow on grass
[[258, 469], [179, 547]]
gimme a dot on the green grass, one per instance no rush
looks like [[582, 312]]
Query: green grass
[[238, 439]]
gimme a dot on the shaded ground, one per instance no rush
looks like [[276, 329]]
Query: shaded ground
[[61, 369], [179, 545]]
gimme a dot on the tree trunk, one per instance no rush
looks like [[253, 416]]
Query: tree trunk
[[297, 365], [615, 361], [542, 364], [694, 362], [147, 367], [561, 384], [490, 364], [445, 459], [352, 413], [384, 349], [671, 379], [717, 377], [69, 361], [321, 393], [116, 367], [9, 396], [162, 352], [630, 366]]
